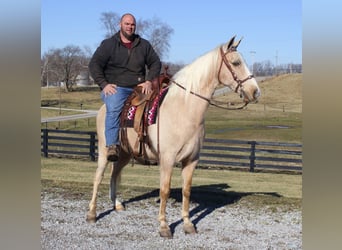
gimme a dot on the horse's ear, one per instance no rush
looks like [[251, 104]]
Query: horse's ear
[[237, 44], [230, 43]]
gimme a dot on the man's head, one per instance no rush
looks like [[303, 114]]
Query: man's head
[[127, 26]]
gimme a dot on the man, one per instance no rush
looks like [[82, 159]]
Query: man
[[117, 66]]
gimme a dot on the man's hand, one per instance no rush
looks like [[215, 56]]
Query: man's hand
[[146, 87], [109, 89]]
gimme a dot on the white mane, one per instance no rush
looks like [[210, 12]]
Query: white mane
[[196, 75]]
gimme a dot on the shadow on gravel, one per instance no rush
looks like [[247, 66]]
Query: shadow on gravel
[[207, 197]]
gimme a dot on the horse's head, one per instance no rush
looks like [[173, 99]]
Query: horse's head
[[235, 74]]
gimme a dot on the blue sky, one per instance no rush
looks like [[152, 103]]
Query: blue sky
[[273, 29]]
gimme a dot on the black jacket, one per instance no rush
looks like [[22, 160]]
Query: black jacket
[[112, 62]]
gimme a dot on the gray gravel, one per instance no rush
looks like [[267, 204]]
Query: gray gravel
[[234, 226]]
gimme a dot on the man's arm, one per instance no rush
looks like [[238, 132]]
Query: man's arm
[[153, 64], [97, 65]]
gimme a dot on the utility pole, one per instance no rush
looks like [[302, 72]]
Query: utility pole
[[47, 73], [60, 99], [252, 56], [276, 62]]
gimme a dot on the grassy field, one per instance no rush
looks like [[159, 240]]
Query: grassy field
[[276, 117], [73, 178]]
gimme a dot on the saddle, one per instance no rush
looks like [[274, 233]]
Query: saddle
[[137, 112]]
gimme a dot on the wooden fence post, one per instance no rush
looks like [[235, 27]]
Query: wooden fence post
[[252, 156], [45, 143], [92, 147]]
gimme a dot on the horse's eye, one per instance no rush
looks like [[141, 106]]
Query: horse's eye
[[236, 63]]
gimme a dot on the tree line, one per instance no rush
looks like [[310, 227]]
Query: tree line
[[63, 66], [267, 68]]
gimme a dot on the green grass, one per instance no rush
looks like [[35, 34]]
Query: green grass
[[73, 179], [254, 125]]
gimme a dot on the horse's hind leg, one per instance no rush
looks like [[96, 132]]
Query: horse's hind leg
[[187, 173], [102, 163], [115, 179]]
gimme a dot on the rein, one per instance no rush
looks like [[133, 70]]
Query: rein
[[209, 100]]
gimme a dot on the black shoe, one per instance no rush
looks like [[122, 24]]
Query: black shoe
[[112, 153]]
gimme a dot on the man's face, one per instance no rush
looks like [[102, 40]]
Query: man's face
[[127, 26]]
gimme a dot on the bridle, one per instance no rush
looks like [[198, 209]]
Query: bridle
[[225, 61], [236, 79]]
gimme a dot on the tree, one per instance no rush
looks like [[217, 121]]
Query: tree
[[110, 22], [157, 32], [64, 65]]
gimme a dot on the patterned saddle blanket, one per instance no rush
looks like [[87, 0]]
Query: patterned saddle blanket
[[134, 105]]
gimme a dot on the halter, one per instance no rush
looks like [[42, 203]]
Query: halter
[[225, 61], [236, 79]]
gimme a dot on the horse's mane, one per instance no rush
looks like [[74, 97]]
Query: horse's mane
[[197, 74]]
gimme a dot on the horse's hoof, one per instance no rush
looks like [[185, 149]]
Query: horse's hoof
[[119, 207], [189, 229], [91, 218], [165, 233]]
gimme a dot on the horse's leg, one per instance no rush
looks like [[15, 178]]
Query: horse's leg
[[187, 173], [102, 163], [115, 179], [165, 182]]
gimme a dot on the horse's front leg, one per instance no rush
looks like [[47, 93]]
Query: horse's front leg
[[187, 173], [102, 163], [165, 183]]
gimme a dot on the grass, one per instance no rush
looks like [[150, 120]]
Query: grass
[[251, 125], [73, 179], [280, 104], [88, 96]]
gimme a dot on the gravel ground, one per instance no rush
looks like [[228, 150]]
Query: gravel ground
[[233, 226]]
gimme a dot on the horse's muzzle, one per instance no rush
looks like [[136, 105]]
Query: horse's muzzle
[[250, 96]]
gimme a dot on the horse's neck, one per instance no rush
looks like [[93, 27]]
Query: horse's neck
[[188, 107], [195, 108], [199, 80], [200, 77]]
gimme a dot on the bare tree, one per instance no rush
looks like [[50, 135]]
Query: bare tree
[[154, 30], [158, 33], [110, 22], [64, 65]]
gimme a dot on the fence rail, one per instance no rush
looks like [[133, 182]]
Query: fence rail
[[251, 155], [215, 153], [64, 142]]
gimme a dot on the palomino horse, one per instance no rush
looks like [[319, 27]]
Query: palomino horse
[[179, 132]]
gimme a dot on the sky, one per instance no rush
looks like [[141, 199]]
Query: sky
[[271, 30]]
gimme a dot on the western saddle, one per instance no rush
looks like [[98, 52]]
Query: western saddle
[[142, 103]]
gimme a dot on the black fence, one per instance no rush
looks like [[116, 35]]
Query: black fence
[[215, 153], [251, 155], [72, 143]]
